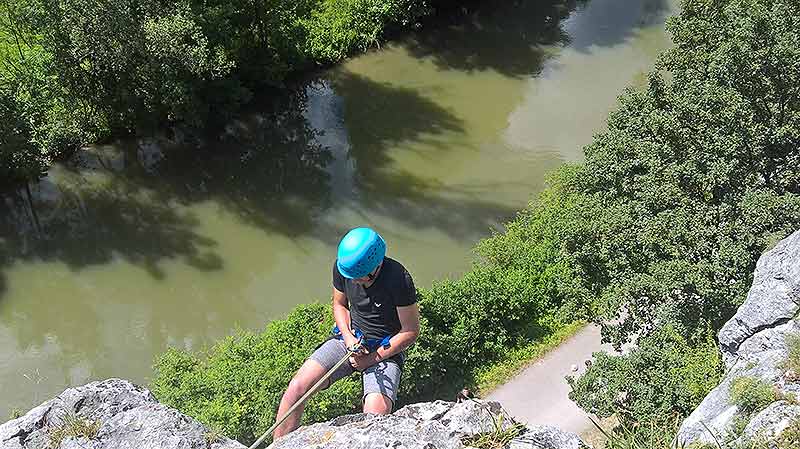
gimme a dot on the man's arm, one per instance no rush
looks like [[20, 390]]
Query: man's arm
[[341, 314], [409, 331]]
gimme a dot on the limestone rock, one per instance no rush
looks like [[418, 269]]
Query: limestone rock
[[773, 299], [435, 425], [753, 344], [771, 421], [128, 417]]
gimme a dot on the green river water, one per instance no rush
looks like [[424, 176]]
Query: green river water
[[433, 140]]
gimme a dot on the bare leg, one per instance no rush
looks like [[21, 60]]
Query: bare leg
[[303, 380], [378, 404]]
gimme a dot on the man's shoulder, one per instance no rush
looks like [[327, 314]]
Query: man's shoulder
[[393, 266]]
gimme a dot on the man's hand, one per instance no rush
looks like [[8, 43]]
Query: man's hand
[[351, 341], [360, 362]]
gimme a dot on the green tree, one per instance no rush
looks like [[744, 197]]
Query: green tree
[[697, 174], [665, 378]]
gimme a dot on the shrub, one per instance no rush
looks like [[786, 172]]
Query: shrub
[[236, 388], [663, 379], [752, 395], [72, 426], [82, 72]]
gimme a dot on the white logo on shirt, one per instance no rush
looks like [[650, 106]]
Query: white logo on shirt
[[378, 304]]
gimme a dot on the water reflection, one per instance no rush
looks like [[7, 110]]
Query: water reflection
[[380, 118], [267, 169], [611, 22], [508, 39]]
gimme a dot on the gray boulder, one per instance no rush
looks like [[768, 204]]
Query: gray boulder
[[435, 425], [771, 421], [117, 414], [753, 344], [773, 299]]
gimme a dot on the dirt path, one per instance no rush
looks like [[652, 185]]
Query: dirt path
[[539, 394]]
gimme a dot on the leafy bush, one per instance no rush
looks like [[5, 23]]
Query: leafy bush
[[645, 436], [238, 385], [696, 175], [660, 381], [752, 395]]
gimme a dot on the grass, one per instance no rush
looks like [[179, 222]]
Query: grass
[[516, 359], [790, 437], [497, 438], [752, 395], [212, 436], [642, 436], [73, 426], [792, 362]]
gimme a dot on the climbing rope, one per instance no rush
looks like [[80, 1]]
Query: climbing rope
[[350, 351]]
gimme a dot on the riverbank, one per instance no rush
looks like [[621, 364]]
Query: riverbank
[[132, 82]]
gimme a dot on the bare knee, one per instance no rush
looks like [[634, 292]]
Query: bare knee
[[378, 404], [297, 387], [303, 380]]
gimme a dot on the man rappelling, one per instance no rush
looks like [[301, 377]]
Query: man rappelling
[[377, 318]]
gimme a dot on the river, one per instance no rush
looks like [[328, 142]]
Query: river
[[434, 140]]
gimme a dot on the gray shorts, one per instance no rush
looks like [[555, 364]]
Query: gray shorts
[[382, 377]]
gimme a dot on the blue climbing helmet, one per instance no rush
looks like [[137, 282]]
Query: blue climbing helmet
[[360, 251]]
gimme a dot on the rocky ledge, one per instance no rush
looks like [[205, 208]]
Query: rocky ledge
[[117, 414], [112, 414], [755, 345], [430, 425]]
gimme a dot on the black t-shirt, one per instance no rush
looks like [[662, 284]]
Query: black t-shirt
[[373, 310]]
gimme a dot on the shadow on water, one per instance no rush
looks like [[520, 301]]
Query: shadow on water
[[512, 38], [463, 213], [268, 169], [91, 227], [380, 117], [508, 38], [383, 120]]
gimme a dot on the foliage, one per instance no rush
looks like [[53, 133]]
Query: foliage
[[696, 175], [238, 385], [790, 437], [497, 438], [660, 381], [643, 436], [751, 394], [75, 72], [471, 321]]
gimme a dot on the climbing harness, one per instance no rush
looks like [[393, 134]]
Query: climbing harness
[[372, 344], [350, 351]]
